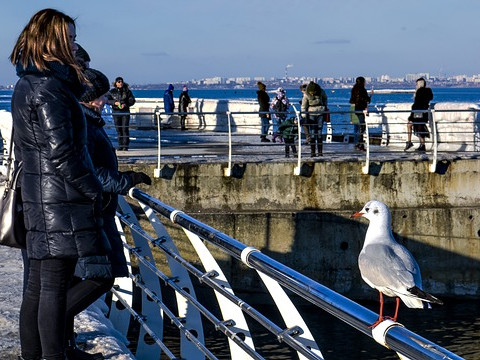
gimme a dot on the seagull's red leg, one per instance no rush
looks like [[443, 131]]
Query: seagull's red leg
[[380, 315], [396, 309]]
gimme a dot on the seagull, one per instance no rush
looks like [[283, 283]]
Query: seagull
[[387, 266]]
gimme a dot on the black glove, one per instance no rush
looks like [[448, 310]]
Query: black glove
[[139, 178]]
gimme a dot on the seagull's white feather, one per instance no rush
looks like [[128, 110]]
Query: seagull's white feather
[[385, 264]]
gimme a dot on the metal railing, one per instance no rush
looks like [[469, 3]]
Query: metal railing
[[238, 132], [235, 137], [232, 324]]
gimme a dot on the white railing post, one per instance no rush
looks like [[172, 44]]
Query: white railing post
[[433, 165], [157, 171], [228, 170], [296, 170], [366, 167], [329, 137]]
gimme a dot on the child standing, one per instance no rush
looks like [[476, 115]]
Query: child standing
[[280, 105], [289, 129]]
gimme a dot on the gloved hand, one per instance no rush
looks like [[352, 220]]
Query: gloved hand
[[139, 177]]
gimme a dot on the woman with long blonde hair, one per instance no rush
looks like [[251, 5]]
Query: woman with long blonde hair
[[60, 192]]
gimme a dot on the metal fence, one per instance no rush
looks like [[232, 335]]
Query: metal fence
[[190, 313], [235, 135]]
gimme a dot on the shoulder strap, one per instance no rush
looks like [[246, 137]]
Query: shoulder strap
[[10, 156]]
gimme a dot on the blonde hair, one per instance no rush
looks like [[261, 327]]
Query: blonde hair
[[46, 38]]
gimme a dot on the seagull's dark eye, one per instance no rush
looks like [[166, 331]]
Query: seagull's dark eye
[[376, 211], [367, 209]]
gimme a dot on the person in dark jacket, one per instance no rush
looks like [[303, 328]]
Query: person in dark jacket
[[61, 194], [417, 121], [314, 103], [183, 102], [94, 275], [264, 108], [120, 98], [168, 104], [289, 130], [360, 99]]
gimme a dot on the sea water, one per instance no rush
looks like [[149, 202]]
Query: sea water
[[335, 96]]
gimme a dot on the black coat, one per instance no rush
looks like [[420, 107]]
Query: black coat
[[183, 101], [114, 182], [264, 102], [61, 194], [422, 99], [359, 97], [123, 95]]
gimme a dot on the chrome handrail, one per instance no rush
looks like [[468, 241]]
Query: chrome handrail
[[392, 335]]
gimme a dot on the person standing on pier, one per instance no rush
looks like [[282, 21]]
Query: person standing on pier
[[359, 99], [264, 102], [314, 102], [121, 98], [168, 105], [183, 102], [305, 121], [289, 130], [63, 199], [280, 105], [417, 121], [94, 275]]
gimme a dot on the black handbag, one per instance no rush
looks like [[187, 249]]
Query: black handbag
[[12, 227]]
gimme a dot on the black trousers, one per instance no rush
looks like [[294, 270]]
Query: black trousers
[[80, 295], [43, 310], [122, 125]]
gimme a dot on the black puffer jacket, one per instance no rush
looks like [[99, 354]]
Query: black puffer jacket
[[123, 95], [61, 194], [114, 182]]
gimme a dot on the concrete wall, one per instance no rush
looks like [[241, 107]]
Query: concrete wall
[[304, 221]]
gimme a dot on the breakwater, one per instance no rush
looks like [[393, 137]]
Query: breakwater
[[304, 221]]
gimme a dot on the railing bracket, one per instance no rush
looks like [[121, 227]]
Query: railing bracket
[[379, 332], [293, 331]]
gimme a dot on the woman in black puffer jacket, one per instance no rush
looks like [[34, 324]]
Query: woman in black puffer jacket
[[94, 275], [60, 191]]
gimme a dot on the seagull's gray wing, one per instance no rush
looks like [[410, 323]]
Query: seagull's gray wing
[[386, 266]]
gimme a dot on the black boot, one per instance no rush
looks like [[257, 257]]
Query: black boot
[[320, 149], [294, 149], [74, 353], [312, 150]]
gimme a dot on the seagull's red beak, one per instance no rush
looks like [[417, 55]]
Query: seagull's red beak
[[357, 214]]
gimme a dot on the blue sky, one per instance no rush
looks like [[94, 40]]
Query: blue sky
[[152, 41]]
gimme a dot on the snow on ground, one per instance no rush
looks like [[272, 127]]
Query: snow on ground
[[95, 332]]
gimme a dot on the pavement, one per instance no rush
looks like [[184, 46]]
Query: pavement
[[95, 332]]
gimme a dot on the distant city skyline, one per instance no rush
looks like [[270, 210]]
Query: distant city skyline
[[159, 42]]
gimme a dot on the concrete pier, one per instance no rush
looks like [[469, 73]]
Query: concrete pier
[[303, 221]]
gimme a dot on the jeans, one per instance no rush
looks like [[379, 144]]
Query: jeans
[[122, 125], [42, 314], [359, 129], [265, 125], [316, 129]]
